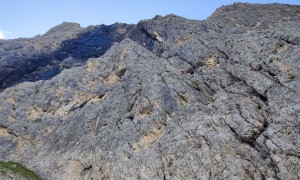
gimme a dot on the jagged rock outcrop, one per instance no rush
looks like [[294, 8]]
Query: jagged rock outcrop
[[62, 47], [168, 98]]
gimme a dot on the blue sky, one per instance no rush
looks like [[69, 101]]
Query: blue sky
[[27, 18]]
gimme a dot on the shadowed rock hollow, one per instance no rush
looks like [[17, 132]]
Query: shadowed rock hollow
[[168, 98]]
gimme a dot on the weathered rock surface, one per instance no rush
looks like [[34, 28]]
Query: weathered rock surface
[[62, 47], [168, 98]]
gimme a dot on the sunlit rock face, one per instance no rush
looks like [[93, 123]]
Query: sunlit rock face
[[168, 98]]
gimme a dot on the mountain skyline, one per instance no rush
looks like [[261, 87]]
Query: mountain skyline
[[167, 98], [31, 18]]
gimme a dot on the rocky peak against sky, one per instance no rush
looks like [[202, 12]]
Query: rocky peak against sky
[[167, 98]]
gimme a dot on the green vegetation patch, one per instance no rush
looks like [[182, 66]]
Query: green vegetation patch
[[18, 169]]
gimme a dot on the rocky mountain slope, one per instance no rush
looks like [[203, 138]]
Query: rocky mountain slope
[[168, 98]]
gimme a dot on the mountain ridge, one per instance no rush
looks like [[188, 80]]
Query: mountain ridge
[[168, 98]]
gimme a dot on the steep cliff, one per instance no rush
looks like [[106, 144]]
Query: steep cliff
[[168, 98]]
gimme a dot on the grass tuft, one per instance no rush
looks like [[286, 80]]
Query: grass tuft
[[18, 169]]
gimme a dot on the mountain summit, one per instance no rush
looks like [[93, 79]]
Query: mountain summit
[[168, 98]]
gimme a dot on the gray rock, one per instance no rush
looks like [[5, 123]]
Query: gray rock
[[172, 99]]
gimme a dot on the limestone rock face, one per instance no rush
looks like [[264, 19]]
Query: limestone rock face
[[168, 98]]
